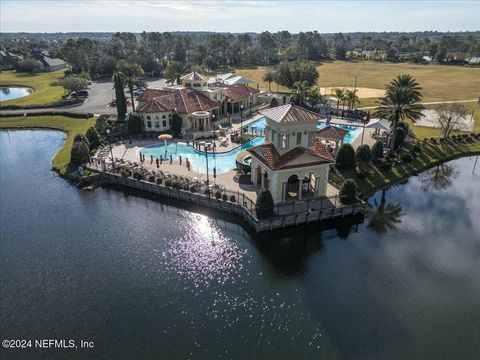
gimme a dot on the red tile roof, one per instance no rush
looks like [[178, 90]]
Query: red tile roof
[[186, 101], [332, 132], [268, 154], [290, 113], [150, 94], [236, 92]]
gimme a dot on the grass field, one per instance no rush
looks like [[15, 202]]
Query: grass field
[[431, 155], [44, 92], [439, 82], [71, 126]]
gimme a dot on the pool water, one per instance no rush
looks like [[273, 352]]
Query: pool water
[[223, 162], [353, 131], [13, 92]]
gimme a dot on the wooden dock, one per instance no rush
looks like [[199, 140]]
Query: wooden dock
[[302, 212]]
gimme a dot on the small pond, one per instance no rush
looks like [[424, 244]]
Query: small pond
[[14, 92]]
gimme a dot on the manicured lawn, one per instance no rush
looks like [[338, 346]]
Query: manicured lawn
[[71, 126], [423, 132], [44, 92], [430, 156], [439, 82]]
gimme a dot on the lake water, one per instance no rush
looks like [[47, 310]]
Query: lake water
[[13, 92], [147, 280]]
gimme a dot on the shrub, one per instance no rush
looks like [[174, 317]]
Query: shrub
[[399, 138], [207, 192], [363, 153], [346, 157], [93, 137], [264, 205], [218, 194], [193, 188], [348, 191], [168, 182], [362, 170], [403, 126], [151, 178], [80, 153], [416, 149], [177, 184], [232, 198], [123, 171], [224, 197], [274, 102], [406, 157], [159, 180], [377, 150], [81, 138]]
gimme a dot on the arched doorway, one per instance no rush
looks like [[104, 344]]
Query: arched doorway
[[292, 187]]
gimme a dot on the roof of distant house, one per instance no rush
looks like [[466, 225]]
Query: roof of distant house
[[52, 62], [185, 101], [194, 76], [332, 132], [150, 94], [229, 79], [290, 113], [269, 155]]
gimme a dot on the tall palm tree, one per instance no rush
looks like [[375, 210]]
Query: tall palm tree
[[401, 102], [314, 97], [340, 95], [385, 216], [132, 73], [173, 71], [121, 102], [352, 98], [269, 76]]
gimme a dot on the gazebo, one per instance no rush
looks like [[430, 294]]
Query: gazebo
[[332, 133]]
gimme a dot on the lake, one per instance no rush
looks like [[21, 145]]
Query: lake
[[144, 279], [13, 92]]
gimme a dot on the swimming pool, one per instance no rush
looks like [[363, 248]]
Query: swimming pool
[[223, 162], [353, 131]]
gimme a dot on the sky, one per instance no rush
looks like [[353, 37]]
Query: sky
[[237, 16]]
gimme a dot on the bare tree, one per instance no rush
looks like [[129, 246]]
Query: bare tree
[[451, 117]]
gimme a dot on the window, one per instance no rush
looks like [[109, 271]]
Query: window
[[196, 85], [170, 121], [156, 117], [188, 84], [169, 116], [164, 123], [164, 117], [311, 138], [284, 144], [157, 124], [299, 138], [149, 124], [148, 117]]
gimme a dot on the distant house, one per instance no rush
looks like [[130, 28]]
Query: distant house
[[230, 79], [50, 64], [8, 60]]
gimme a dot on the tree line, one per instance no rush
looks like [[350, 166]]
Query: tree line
[[215, 51]]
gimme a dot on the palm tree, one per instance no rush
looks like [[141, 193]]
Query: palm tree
[[269, 76], [384, 217], [173, 71], [131, 73], [401, 102], [352, 98], [340, 95], [302, 90], [438, 178], [314, 97]]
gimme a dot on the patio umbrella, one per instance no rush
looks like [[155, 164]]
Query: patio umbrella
[[378, 124], [165, 137]]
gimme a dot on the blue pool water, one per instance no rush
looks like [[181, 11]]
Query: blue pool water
[[13, 92], [222, 162], [353, 131]]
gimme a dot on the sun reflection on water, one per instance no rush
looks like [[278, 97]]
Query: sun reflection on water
[[204, 254]]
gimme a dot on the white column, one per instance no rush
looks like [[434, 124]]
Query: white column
[[299, 189]]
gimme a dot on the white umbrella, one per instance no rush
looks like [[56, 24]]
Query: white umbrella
[[382, 124]]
